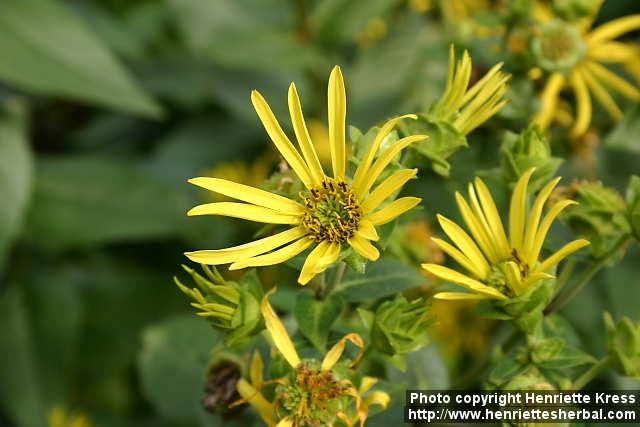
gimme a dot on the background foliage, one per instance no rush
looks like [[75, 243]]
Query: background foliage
[[108, 106]]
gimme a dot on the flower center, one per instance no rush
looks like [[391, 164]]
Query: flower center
[[498, 277], [332, 211], [313, 399], [559, 46]]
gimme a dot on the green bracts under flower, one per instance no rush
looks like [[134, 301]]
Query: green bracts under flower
[[400, 326], [623, 345], [231, 308]]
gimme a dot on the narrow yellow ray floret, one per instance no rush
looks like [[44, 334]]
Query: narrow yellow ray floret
[[495, 265], [332, 213]]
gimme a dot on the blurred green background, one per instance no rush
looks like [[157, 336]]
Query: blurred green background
[[108, 106]]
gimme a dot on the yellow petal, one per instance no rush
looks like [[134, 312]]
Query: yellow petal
[[363, 247], [336, 351], [613, 29], [393, 210], [533, 278], [278, 332], [541, 234], [255, 370], [376, 397], [316, 261], [518, 209], [280, 139], [500, 254], [463, 280], [256, 400], [249, 194], [276, 257], [583, 109], [387, 188], [367, 159], [285, 422], [367, 230], [459, 257], [492, 216], [466, 245], [337, 100], [257, 247], [456, 296], [245, 211], [614, 81], [613, 52], [478, 231], [602, 96], [534, 219], [302, 134], [514, 279], [561, 254], [549, 100], [366, 384], [383, 160]]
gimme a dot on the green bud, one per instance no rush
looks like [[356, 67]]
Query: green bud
[[400, 326], [623, 345], [633, 206], [600, 216], [572, 10], [529, 149], [231, 308]]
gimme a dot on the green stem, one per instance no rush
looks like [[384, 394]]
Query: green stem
[[584, 278], [335, 280], [591, 373]]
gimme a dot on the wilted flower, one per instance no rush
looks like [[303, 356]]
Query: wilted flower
[[315, 392], [574, 56], [331, 213], [498, 267], [230, 307]]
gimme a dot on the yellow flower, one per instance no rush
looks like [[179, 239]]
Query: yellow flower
[[315, 395], [498, 266], [467, 108], [575, 57], [58, 417], [333, 212]]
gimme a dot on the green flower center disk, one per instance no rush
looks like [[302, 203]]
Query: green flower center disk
[[332, 211], [559, 46]]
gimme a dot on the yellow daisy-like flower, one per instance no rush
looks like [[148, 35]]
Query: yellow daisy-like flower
[[498, 266], [575, 58], [315, 396], [333, 212]]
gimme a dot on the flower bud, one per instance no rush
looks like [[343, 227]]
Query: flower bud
[[529, 149], [230, 308], [400, 326], [600, 216], [623, 345]]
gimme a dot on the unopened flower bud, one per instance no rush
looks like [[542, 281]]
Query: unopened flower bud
[[623, 345], [400, 326]]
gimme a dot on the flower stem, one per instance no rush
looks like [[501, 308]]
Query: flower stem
[[591, 373], [338, 272], [584, 278]]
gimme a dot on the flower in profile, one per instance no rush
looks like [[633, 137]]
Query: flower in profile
[[574, 57], [467, 108], [333, 212], [497, 266], [314, 393]]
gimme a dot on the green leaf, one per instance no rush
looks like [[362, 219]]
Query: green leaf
[[625, 135], [81, 201], [20, 393], [315, 318], [15, 177], [54, 53], [382, 278], [172, 364]]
